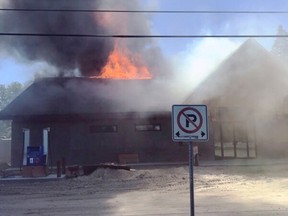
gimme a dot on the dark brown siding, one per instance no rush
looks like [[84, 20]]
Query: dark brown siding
[[75, 141]]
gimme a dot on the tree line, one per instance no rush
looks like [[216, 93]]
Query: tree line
[[7, 94]]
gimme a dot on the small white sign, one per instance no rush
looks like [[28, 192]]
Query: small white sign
[[189, 123]]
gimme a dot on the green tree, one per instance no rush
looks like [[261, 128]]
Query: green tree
[[7, 94]]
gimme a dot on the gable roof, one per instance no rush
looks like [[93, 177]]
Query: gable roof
[[250, 76], [71, 96]]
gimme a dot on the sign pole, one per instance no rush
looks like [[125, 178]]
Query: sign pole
[[192, 209], [190, 123]]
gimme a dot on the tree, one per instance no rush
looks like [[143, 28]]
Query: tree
[[7, 94]]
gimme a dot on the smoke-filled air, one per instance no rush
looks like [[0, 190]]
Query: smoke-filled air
[[82, 56]]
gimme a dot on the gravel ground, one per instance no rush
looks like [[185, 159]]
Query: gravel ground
[[218, 190]]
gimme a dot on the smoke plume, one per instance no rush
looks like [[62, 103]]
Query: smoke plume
[[69, 54]]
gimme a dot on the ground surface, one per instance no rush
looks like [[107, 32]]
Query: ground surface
[[226, 190]]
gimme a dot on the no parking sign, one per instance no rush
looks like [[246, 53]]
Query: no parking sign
[[189, 123]]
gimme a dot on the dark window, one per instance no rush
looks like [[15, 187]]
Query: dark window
[[148, 127], [103, 128]]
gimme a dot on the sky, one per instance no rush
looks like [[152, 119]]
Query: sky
[[193, 58]]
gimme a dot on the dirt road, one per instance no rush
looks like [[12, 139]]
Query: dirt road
[[219, 191]]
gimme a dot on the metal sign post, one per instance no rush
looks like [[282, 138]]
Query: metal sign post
[[190, 123], [191, 178]]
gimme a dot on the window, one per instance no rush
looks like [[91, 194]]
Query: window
[[148, 127], [103, 128]]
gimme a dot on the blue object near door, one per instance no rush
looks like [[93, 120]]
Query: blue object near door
[[35, 156]]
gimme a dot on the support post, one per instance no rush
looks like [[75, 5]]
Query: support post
[[26, 143], [46, 143], [221, 140], [58, 169], [247, 142], [63, 165], [234, 142], [191, 178]]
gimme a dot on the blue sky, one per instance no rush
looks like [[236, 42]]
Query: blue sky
[[193, 24], [194, 58]]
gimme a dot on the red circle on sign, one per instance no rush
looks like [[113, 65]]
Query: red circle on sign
[[197, 127]]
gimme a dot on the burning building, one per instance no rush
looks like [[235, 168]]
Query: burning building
[[101, 103], [94, 120], [106, 102]]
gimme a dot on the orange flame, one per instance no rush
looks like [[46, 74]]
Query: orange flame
[[120, 66]]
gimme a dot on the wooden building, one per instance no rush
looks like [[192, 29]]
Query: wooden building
[[247, 101], [92, 121]]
